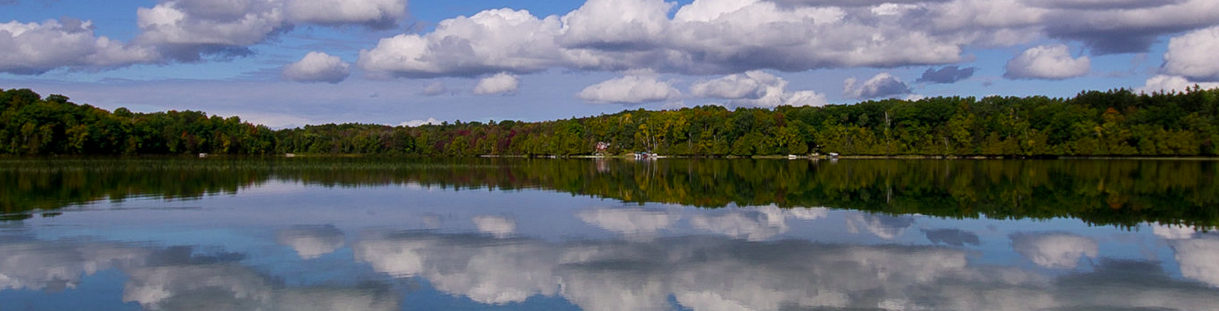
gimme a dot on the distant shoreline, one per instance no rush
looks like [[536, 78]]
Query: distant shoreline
[[1117, 124], [617, 157]]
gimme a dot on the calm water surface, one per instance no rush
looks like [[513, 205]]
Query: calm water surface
[[517, 234]]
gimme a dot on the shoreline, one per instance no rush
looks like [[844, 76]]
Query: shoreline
[[625, 157]]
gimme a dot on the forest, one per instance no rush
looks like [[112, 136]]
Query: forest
[[1093, 123]]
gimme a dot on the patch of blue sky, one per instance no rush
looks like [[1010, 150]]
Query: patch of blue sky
[[115, 19]]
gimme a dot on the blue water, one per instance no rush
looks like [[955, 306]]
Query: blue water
[[283, 245]]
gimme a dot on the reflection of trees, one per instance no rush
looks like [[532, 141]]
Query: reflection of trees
[[1119, 192]]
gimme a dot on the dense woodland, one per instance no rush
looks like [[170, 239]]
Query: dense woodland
[[1093, 123]]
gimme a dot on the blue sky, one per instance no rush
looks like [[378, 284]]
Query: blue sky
[[293, 62]]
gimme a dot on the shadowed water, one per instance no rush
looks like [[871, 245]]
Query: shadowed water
[[672, 234]]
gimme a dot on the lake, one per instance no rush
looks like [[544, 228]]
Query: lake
[[607, 234]]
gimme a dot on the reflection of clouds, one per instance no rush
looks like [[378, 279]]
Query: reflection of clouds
[[499, 226], [311, 241], [1131, 285], [495, 274], [630, 221], [716, 273], [308, 299], [37, 266], [201, 287], [486, 271], [432, 221], [1054, 250], [702, 273], [396, 257], [1172, 232], [754, 223], [807, 213], [615, 288], [695, 272], [952, 237], [171, 278], [882, 226], [811, 276], [236, 287], [1199, 259]]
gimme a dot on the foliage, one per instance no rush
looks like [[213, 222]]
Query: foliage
[[30, 125], [1093, 123]]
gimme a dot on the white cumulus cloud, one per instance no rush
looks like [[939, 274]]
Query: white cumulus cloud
[[805, 98], [1166, 83], [318, 67], [35, 48], [1192, 55], [187, 30], [376, 13], [700, 37], [638, 24], [179, 30], [749, 85], [723, 36], [1099, 4], [1053, 62], [491, 41], [881, 85], [498, 84], [630, 89], [1108, 27], [414, 123], [756, 88]]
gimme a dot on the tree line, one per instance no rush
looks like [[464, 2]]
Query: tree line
[[32, 125], [1093, 123]]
